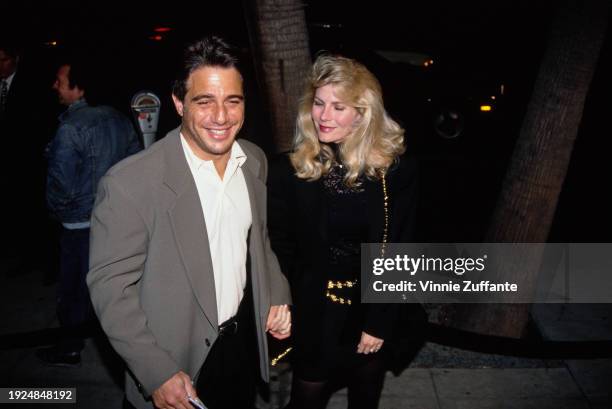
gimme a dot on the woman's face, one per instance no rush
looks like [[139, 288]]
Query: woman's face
[[333, 119]]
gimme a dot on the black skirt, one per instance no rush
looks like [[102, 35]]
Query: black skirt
[[326, 335]]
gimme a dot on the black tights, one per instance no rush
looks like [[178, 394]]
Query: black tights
[[364, 389]]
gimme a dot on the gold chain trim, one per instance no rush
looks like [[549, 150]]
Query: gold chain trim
[[340, 284], [383, 248], [340, 300], [280, 356]]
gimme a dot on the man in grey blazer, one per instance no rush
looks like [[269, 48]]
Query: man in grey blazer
[[181, 267]]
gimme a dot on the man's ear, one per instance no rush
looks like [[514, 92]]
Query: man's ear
[[178, 104]]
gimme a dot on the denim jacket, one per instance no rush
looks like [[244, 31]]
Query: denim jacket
[[89, 140]]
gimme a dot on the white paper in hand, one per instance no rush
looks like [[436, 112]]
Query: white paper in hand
[[197, 403]]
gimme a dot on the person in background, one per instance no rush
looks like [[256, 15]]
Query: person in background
[[88, 141], [9, 59], [27, 123], [346, 182]]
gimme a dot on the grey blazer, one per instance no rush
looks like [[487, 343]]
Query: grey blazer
[[151, 276]]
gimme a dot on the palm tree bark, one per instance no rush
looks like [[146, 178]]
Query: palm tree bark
[[533, 182], [279, 38]]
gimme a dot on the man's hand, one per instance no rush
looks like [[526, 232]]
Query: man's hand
[[279, 321], [173, 393], [369, 344]]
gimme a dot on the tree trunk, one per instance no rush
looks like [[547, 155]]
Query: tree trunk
[[535, 176], [279, 38]]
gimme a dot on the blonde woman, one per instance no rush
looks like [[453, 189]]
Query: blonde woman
[[326, 198]]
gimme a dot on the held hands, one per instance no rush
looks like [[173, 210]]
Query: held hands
[[279, 321], [174, 392], [369, 344]]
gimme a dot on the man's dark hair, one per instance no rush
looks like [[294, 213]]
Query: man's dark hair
[[10, 47], [81, 72], [210, 51]]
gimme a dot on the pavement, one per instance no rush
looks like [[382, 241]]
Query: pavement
[[440, 377]]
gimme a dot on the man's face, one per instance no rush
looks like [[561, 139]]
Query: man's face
[[61, 85], [212, 111], [8, 65]]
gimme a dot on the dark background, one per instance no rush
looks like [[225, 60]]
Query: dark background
[[476, 47]]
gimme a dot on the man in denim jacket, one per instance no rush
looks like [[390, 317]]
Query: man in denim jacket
[[89, 140]]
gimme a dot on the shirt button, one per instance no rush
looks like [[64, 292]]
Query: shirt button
[[207, 342]]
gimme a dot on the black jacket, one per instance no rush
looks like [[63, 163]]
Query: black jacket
[[298, 234]]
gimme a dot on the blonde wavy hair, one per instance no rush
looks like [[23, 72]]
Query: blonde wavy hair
[[374, 144]]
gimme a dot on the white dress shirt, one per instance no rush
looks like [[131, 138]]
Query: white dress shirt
[[227, 214]]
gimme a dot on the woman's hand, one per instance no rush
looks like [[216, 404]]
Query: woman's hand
[[279, 321], [369, 344]]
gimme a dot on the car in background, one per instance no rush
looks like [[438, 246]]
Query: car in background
[[441, 99]]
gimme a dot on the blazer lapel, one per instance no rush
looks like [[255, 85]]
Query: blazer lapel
[[189, 227], [255, 186], [257, 193]]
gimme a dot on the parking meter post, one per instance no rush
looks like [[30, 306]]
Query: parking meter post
[[146, 107]]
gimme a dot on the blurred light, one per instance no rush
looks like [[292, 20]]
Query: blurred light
[[326, 25], [162, 29], [426, 63], [501, 89], [428, 99], [493, 97], [51, 43], [156, 38], [430, 62], [485, 108]]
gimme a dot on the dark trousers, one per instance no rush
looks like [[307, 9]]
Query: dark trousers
[[228, 377], [73, 302]]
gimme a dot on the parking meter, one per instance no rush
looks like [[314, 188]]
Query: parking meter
[[145, 106]]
